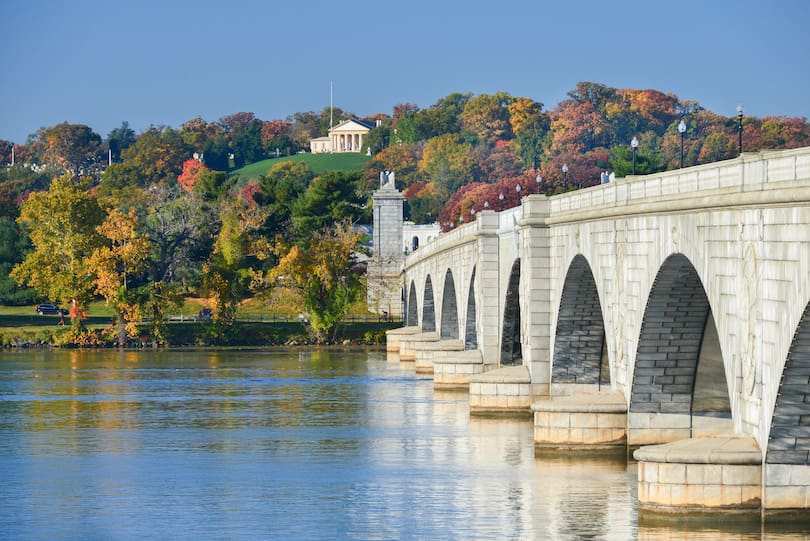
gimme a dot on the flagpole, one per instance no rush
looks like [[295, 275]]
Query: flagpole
[[331, 142]]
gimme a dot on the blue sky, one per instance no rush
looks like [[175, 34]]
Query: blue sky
[[149, 62]]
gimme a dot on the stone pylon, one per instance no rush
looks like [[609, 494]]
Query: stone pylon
[[384, 275]]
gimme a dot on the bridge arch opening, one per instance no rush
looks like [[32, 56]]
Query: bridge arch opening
[[789, 439], [580, 356], [428, 310], [679, 363], [470, 332], [412, 313], [449, 326], [511, 352]]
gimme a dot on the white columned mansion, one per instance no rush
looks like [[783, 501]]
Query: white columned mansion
[[348, 136]]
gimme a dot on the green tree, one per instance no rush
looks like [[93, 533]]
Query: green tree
[[228, 273], [13, 247], [321, 271], [278, 191], [119, 139], [330, 198], [62, 226]]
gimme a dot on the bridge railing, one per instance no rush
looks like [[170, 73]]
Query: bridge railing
[[750, 172]]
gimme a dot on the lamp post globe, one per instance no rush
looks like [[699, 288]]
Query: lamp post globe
[[500, 197], [682, 131], [565, 176], [539, 180]]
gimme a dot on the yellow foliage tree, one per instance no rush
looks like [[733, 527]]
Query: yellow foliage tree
[[124, 254], [322, 273]]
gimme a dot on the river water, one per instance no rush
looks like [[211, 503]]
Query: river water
[[288, 444]]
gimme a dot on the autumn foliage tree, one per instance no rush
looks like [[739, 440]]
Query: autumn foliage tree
[[123, 255], [192, 170], [321, 271]]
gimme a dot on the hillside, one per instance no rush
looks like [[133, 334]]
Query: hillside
[[317, 162]]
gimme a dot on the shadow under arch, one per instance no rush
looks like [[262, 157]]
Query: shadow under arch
[[412, 313], [580, 356], [511, 352], [428, 310], [679, 364], [449, 323], [470, 326], [789, 439]]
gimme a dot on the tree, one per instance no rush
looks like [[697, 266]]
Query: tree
[[277, 135], [245, 133], [228, 274], [159, 153], [119, 139], [449, 162], [13, 247], [123, 254], [321, 271], [62, 224], [487, 116], [330, 198], [398, 158], [278, 191], [72, 148], [192, 170]]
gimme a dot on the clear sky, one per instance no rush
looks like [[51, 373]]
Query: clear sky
[[164, 62]]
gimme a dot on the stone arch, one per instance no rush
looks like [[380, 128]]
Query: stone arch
[[428, 310], [789, 439], [470, 327], [580, 355], [449, 324], [511, 352], [679, 364], [412, 313]]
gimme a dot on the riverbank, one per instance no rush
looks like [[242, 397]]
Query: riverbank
[[192, 333]]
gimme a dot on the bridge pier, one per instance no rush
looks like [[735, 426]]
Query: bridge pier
[[424, 353], [407, 345], [583, 422], [701, 475], [393, 337], [505, 391], [452, 370]]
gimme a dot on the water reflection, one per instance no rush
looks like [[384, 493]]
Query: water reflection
[[286, 445]]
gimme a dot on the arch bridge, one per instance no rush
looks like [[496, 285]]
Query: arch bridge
[[677, 303]]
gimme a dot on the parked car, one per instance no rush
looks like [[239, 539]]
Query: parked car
[[205, 315], [47, 309]]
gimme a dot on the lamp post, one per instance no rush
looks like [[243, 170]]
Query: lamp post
[[739, 127], [501, 199], [538, 179], [517, 190], [681, 130], [634, 145], [486, 205], [565, 176]]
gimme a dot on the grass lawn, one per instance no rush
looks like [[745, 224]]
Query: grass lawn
[[342, 161]]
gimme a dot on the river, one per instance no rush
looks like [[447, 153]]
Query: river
[[288, 444]]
